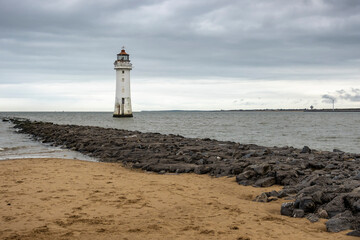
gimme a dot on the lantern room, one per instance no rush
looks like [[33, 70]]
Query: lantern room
[[123, 56]]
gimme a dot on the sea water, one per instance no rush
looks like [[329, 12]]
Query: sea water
[[318, 130], [14, 145]]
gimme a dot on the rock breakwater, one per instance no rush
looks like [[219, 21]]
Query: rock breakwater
[[320, 184]]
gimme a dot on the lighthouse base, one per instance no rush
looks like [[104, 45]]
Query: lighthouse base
[[122, 115]]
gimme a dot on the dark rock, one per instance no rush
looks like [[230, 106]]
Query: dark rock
[[337, 150], [237, 170], [273, 194], [331, 166], [272, 199], [306, 149], [316, 165], [262, 169], [352, 200], [307, 204], [335, 207], [249, 155], [297, 203], [322, 213], [202, 170], [265, 182], [288, 177], [261, 198], [245, 175], [355, 233], [310, 190], [287, 209], [312, 217], [341, 222], [316, 196], [282, 194], [356, 206], [200, 162], [298, 213], [357, 176]]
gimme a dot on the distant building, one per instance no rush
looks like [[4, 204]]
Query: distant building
[[123, 66]]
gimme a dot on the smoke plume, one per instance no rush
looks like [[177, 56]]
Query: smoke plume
[[328, 98], [353, 95]]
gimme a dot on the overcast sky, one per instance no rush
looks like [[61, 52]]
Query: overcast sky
[[205, 54]]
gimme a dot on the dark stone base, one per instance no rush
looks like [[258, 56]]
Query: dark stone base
[[122, 116]]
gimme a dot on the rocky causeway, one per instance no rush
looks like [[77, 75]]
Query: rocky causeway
[[318, 184]]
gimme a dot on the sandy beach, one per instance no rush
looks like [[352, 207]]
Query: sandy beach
[[72, 199]]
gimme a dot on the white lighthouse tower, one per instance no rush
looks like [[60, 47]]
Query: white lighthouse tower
[[122, 66]]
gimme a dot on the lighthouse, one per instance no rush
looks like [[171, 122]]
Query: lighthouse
[[122, 66]]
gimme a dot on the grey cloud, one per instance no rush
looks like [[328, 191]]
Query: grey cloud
[[181, 38]]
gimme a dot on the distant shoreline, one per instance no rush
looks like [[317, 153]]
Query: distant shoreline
[[265, 110], [301, 110], [221, 110]]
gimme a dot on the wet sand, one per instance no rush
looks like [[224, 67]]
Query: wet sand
[[72, 199]]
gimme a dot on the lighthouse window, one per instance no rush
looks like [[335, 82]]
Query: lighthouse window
[[123, 72]]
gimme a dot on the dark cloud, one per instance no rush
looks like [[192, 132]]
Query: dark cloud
[[261, 39]]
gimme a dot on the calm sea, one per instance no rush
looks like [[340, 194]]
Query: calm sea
[[321, 131]]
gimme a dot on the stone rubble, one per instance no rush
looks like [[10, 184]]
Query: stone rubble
[[320, 184]]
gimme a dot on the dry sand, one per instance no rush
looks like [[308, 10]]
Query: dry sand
[[71, 199]]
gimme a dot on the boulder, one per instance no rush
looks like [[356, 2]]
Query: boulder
[[355, 233], [312, 217], [335, 207], [340, 222], [273, 194], [245, 175], [316, 165], [202, 169], [306, 149], [261, 198], [265, 182], [307, 204], [357, 176], [316, 196], [322, 213], [262, 169], [287, 209], [298, 213], [353, 201], [356, 206], [286, 177]]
